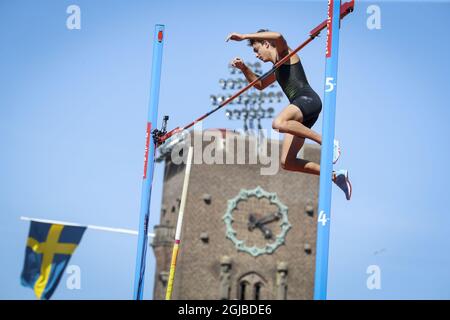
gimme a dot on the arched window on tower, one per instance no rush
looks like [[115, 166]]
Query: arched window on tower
[[243, 288], [257, 291], [251, 287]]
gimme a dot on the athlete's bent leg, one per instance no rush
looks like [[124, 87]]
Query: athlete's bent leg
[[290, 121]]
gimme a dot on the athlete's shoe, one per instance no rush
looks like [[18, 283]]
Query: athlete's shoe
[[343, 182], [336, 151]]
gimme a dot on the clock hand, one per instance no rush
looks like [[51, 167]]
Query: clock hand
[[269, 218], [252, 222], [258, 223], [266, 231]]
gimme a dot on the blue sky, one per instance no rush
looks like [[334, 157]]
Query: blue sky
[[73, 107]]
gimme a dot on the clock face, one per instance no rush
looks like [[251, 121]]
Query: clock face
[[256, 222]]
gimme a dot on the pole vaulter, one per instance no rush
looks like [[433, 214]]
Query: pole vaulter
[[345, 9], [159, 137]]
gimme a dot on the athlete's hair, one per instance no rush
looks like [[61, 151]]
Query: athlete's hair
[[252, 41]]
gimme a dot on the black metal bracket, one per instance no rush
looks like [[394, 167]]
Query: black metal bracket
[[158, 134]]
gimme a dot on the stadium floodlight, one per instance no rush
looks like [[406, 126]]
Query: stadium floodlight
[[240, 83], [246, 99], [254, 97], [222, 83], [261, 112], [279, 96], [213, 100], [220, 99], [257, 67], [262, 96], [229, 97], [230, 84], [231, 69]]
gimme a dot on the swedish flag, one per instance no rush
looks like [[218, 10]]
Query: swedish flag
[[48, 251]]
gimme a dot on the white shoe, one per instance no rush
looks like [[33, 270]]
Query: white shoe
[[336, 151]]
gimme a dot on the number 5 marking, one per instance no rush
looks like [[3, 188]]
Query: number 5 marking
[[329, 83]]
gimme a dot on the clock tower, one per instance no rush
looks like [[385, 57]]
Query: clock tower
[[245, 235]]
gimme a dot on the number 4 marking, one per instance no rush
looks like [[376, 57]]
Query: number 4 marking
[[323, 218], [330, 84]]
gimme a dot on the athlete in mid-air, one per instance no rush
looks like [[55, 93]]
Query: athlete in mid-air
[[299, 116]]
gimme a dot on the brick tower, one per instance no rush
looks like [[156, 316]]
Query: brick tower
[[246, 235]]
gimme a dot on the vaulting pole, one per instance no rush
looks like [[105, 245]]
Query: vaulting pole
[[150, 148], [326, 158], [176, 245]]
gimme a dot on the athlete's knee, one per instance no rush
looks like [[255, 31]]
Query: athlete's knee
[[279, 125]]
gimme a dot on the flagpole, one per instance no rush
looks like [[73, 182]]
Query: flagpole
[[149, 161], [176, 245], [89, 226]]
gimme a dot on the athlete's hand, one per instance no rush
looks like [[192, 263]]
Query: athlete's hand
[[238, 63], [235, 36]]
